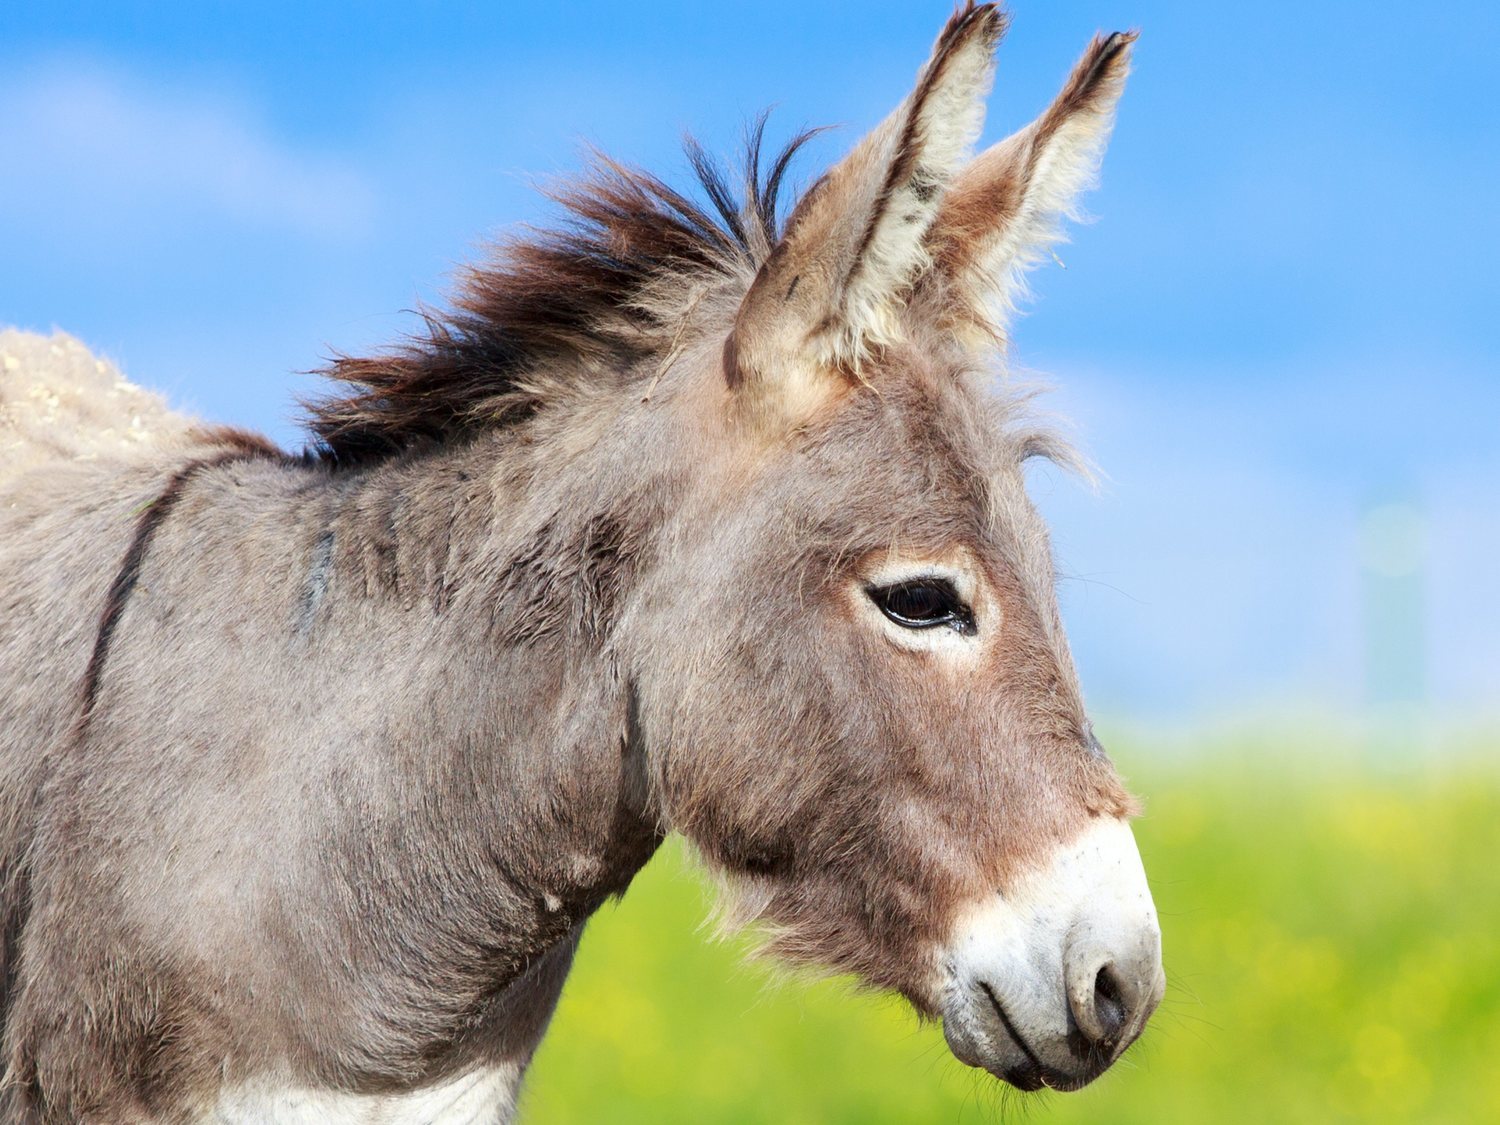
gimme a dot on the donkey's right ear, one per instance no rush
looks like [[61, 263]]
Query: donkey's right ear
[[832, 289], [1006, 208]]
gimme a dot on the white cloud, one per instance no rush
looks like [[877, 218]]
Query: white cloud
[[94, 147]]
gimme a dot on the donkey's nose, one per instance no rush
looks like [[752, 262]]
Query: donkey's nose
[[1112, 993]]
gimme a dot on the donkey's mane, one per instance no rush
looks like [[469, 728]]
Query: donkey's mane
[[607, 288]]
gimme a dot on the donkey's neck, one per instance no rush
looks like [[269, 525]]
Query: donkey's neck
[[467, 781]]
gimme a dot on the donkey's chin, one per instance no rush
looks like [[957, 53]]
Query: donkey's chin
[[1049, 983]]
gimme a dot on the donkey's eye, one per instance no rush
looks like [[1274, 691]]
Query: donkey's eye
[[923, 603]]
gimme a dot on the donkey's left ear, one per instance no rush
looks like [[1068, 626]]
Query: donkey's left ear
[[833, 287], [1004, 211]]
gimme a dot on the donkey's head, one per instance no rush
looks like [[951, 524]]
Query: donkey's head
[[860, 705]]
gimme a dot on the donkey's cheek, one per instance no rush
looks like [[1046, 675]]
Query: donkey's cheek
[[1048, 982]]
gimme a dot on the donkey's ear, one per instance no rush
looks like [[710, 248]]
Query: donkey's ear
[[832, 287], [1006, 209]]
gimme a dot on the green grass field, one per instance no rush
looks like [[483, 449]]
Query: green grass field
[[1332, 937]]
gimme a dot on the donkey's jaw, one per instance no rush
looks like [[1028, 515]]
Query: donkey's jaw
[[1049, 983]]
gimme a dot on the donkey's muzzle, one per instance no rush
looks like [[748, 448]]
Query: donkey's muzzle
[[1049, 983]]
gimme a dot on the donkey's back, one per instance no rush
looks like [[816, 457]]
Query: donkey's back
[[61, 403], [80, 449], [76, 442]]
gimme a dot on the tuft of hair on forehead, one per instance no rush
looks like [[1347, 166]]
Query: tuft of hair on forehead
[[1032, 433], [594, 297]]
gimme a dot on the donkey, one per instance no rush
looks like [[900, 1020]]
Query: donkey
[[685, 518]]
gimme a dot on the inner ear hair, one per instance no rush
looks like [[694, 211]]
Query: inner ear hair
[[1003, 212], [833, 288]]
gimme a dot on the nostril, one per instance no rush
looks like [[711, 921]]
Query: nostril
[[1109, 1004]]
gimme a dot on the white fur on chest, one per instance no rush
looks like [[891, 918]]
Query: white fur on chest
[[481, 1097]]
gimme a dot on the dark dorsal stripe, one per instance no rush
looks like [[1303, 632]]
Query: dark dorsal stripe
[[151, 518]]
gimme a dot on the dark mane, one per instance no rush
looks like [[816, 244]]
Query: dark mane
[[576, 292]]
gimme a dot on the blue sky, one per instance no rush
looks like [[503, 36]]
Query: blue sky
[[1283, 319]]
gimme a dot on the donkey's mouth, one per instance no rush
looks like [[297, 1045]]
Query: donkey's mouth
[[1035, 1074], [1031, 1078], [1028, 1055], [1034, 1070], [1004, 1052]]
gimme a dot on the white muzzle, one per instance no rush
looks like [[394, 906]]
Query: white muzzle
[[1048, 983]]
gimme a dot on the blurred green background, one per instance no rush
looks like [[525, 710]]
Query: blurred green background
[[1331, 922]]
